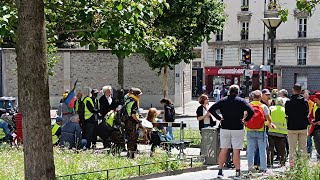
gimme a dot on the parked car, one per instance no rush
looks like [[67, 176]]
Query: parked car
[[8, 105]]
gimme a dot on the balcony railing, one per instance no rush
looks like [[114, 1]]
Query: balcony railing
[[244, 8], [219, 37], [272, 6], [218, 63], [302, 61], [302, 34], [244, 35]]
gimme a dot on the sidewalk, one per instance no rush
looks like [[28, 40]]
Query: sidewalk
[[212, 172], [189, 108]]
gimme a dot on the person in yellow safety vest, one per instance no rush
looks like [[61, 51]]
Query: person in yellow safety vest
[[277, 136], [306, 94], [5, 134], [316, 123], [76, 102], [56, 131], [90, 121], [132, 108]]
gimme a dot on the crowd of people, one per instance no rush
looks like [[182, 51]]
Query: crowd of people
[[116, 120], [273, 123]]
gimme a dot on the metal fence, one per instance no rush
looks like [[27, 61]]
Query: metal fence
[[140, 166]]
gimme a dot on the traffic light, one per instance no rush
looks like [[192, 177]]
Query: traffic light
[[246, 56]]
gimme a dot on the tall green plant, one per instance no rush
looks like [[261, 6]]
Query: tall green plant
[[189, 23]]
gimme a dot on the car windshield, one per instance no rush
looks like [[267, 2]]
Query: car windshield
[[7, 104]]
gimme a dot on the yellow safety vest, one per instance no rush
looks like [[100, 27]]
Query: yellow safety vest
[[54, 129], [109, 118], [256, 103], [2, 134], [315, 107], [278, 116], [76, 105], [87, 113]]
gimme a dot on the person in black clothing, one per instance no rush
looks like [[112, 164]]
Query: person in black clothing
[[169, 114], [232, 133], [96, 105], [297, 111], [203, 116], [107, 102]]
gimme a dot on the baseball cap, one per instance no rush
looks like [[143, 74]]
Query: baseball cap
[[297, 87], [265, 91], [94, 91], [59, 119], [136, 91]]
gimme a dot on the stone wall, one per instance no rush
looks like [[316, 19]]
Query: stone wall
[[96, 69]]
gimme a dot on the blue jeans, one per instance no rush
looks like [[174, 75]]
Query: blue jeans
[[309, 145], [169, 130], [217, 97], [257, 157], [257, 139]]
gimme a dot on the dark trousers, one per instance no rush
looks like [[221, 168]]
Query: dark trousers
[[90, 133], [118, 140], [155, 140], [316, 138], [104, 131], [132, 135], [280, 144]]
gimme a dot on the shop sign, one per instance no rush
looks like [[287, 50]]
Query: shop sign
[[230, 71]]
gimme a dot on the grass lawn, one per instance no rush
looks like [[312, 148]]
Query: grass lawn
[[69, 162], [191, 135]]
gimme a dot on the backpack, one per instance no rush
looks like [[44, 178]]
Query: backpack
[[170, 116], [81, 107], [122, 116], [257, 120]]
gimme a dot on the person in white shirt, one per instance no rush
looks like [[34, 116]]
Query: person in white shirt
[[216, 94]]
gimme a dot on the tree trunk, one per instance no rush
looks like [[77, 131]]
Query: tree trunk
[[33, 91], [165, 79], [120, 72]]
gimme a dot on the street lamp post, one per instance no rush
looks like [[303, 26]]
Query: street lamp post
[[272, 24]]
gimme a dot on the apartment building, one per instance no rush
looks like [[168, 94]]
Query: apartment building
[[296, 47]]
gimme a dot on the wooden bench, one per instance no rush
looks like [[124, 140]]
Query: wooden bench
[[180, 144]]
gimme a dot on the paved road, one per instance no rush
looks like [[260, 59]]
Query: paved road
[[212, 172]]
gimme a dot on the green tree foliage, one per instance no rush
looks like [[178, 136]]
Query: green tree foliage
[[307, 5], [121, 25], [187, 23]]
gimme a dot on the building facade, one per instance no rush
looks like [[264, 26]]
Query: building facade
[[296, 47], [100, 68]]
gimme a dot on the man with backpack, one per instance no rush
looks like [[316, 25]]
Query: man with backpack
[[232, 133], [169, 114], [256, 132]]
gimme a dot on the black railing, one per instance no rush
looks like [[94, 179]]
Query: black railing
[[218, 63], [107, 171], [302, 61], [244, 8], [244, 35], [302, 34], [219, 37]]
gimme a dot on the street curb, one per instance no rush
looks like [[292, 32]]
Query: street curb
[[169, 173]]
